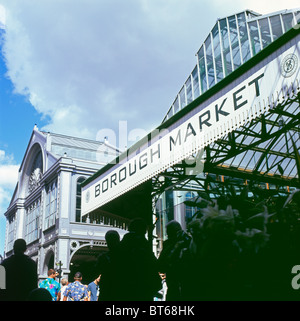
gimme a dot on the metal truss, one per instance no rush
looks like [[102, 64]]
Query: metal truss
[[264, 150]]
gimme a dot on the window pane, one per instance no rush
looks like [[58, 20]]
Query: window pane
[[52, 208], [189, 94], [53, 193], [217, 53], [48, 197], [245, 44], [287, 21], [203, 81], [51, 205], [170, 113], [297, 14], [265, 32], [32, 222], [196, 82], [276, 27], [78, 202], [78, 214], [189, 210], [176, 105], [255, 43], [47, 211], [226, 48], [78, 192], [234, 42], [182, 97], [209, 61]]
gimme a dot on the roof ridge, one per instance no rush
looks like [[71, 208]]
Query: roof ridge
[[73, 137]]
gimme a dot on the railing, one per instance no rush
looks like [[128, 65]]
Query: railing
[[108, 219]]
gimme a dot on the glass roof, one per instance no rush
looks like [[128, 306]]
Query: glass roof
[[232, 41], [79, 148]]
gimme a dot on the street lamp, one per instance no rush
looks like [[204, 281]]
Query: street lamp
[[59, 270]]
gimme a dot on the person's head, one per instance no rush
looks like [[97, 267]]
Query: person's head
[[112, 238], [64, 282], [138, 226], [20, 246], [78, 276], [51, 273], [173, 227], [40, 294]]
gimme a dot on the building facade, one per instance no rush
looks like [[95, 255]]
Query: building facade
[[45, 207]]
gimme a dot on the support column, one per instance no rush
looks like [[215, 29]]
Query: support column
[[63, 255], [20, 219], [64, 194]]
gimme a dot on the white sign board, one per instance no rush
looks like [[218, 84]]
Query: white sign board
[[262, 87]]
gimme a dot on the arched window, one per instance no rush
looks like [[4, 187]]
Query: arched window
[[36, 173], [78, 199]]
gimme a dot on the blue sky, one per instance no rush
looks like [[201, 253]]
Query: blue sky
[[16, 115], [78, 67]]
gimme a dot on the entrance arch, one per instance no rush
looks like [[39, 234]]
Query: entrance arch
[[48, 262], [83, 260]]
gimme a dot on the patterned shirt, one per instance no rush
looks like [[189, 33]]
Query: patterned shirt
[[76, 292], [52, 286]]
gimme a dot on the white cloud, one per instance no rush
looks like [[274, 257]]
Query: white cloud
[[87, 64], [268, 6], [8, 179], [2, 17], [8, 175], [5, 198], [229, 7]]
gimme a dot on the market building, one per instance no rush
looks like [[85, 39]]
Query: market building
[[45, 208], [234, 122]]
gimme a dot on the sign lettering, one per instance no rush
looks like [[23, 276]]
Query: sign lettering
[[238, 103]]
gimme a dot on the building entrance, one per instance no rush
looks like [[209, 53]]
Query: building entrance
[[84, 260]]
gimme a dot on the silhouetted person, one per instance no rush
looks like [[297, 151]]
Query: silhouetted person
[[140, 280], [170, 259], [40, 294], [108, 266], [21, 273], [193, 280], [213, 260]]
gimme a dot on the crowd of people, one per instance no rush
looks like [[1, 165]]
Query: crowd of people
[[128, 271]]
